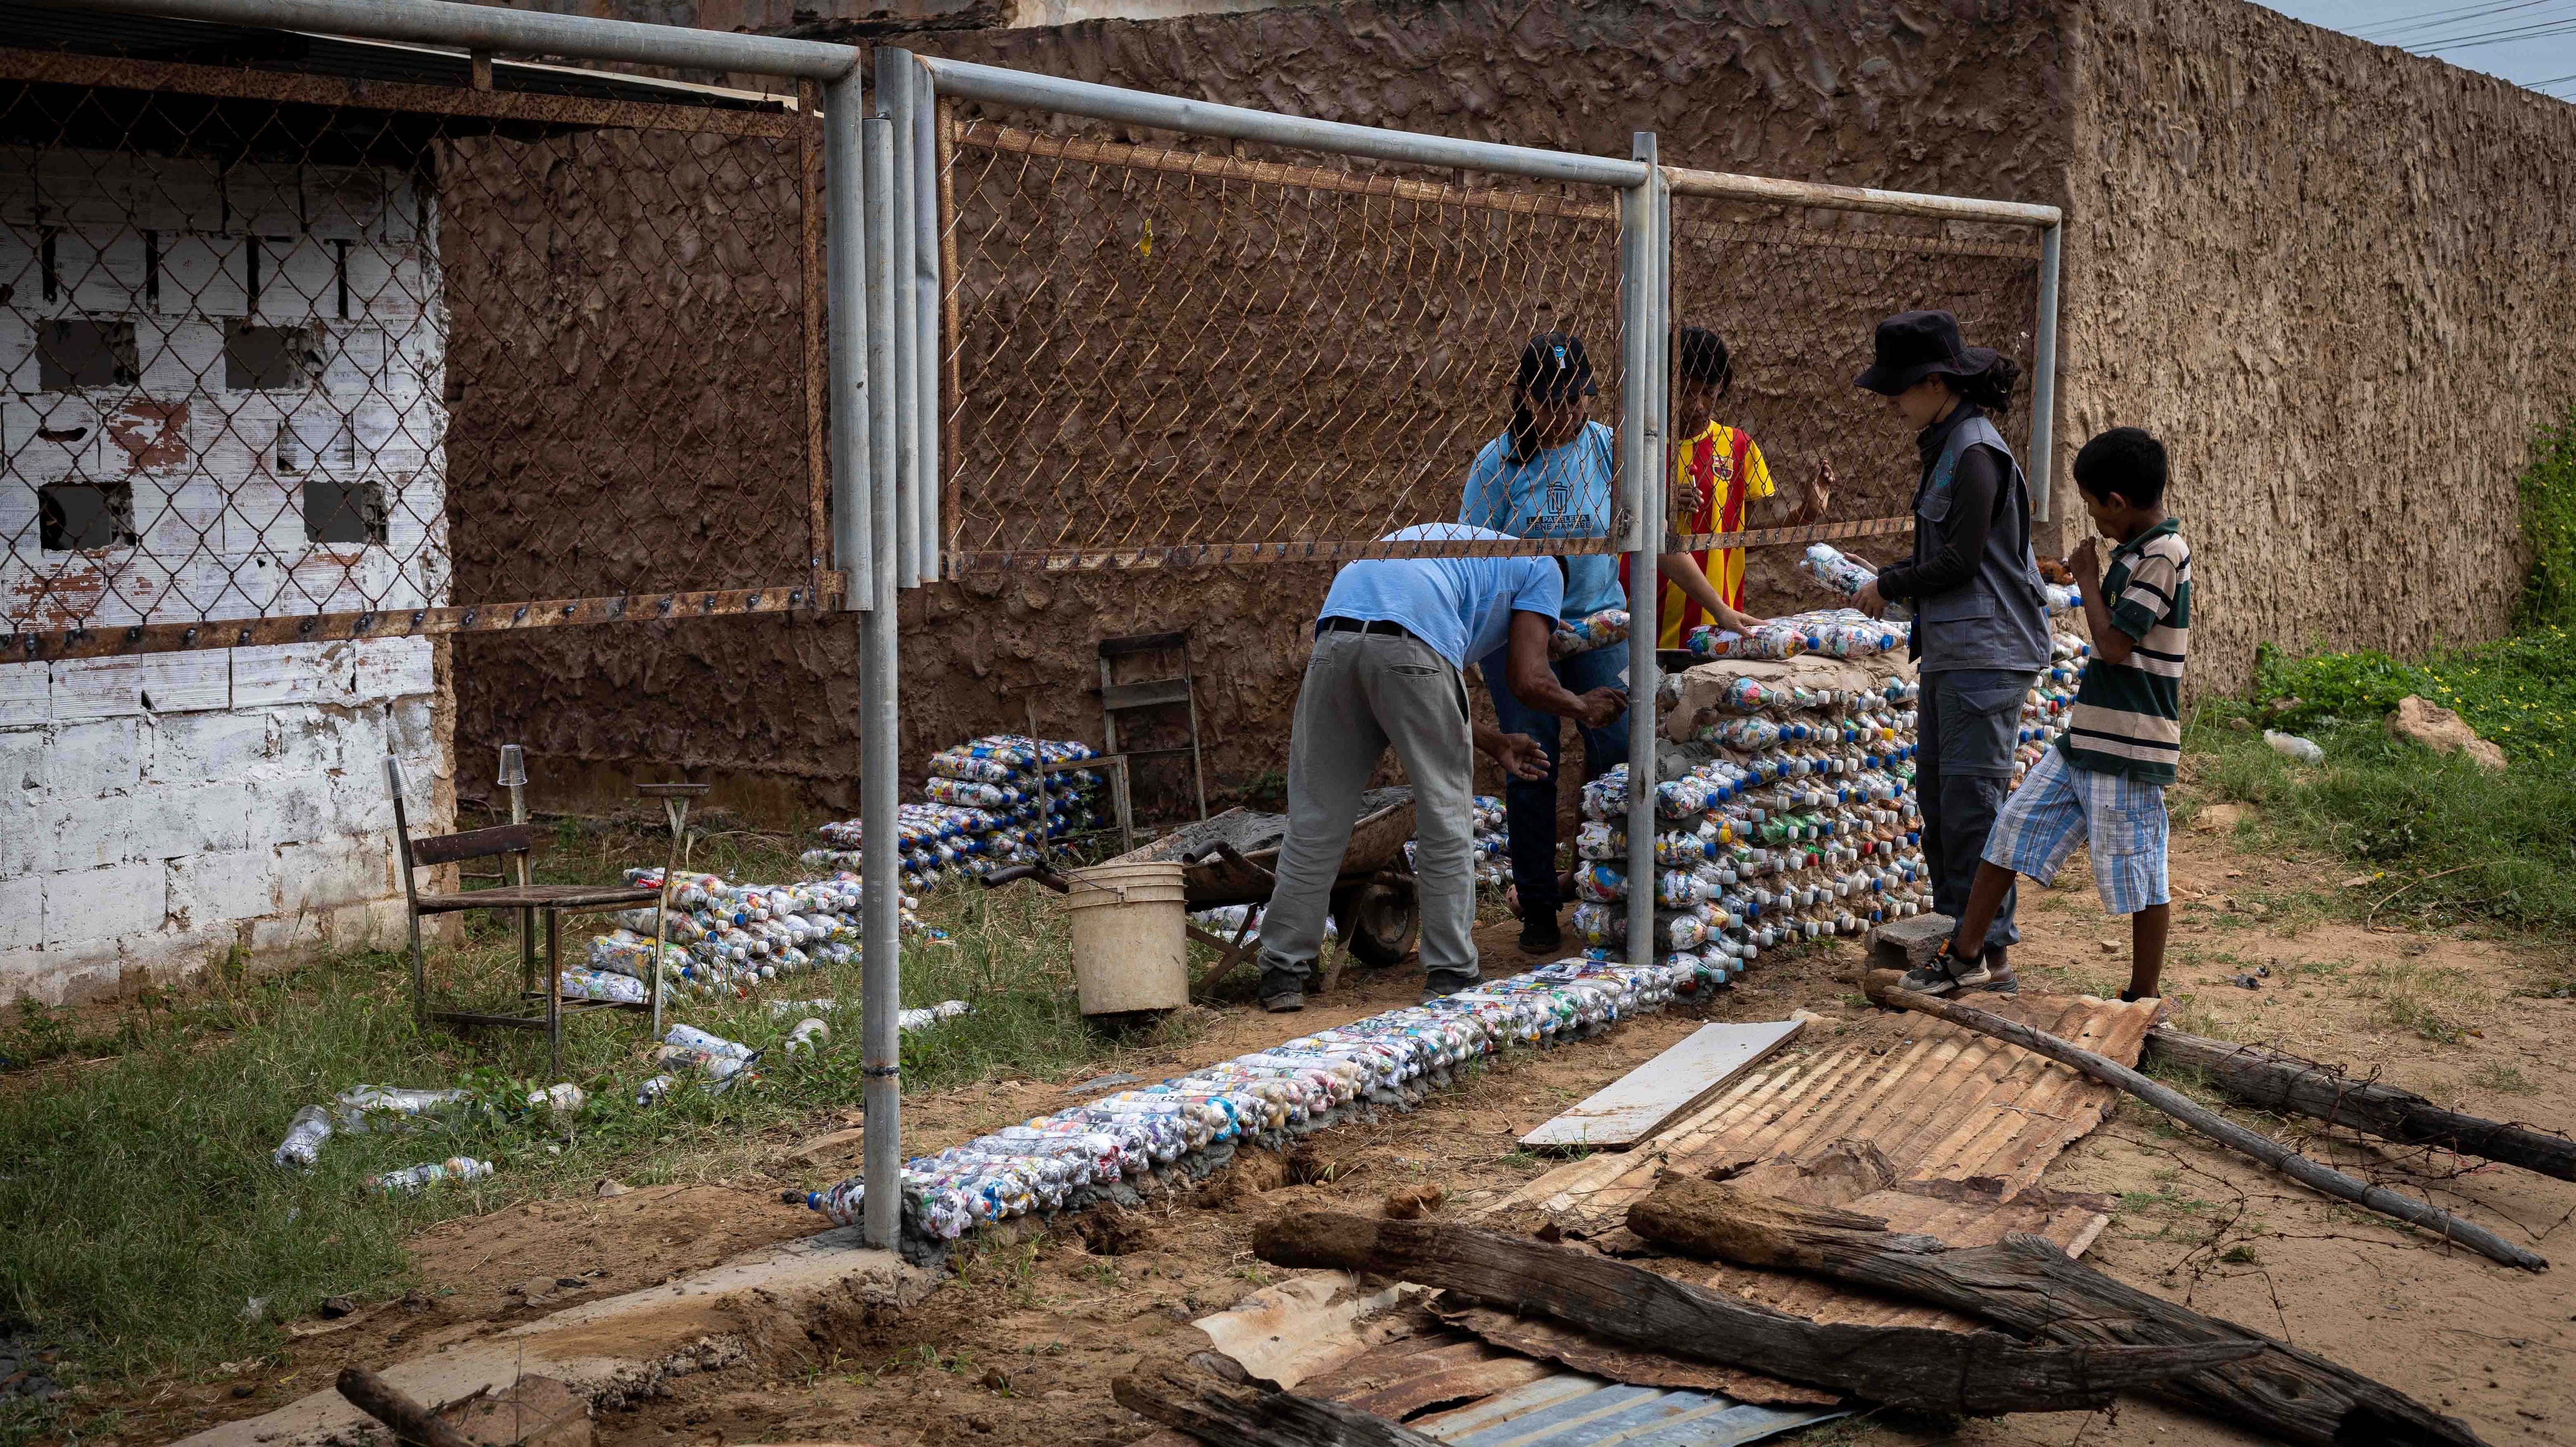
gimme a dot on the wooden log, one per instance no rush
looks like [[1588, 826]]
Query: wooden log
[[1212, 1409], [1922, 1369], [1883, 988], [410, 1421], [2271, 1080], [2028, 1284]]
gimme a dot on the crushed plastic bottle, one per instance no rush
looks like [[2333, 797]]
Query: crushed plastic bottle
[[810, 1035], [413, 1179], [561, 1101], [2294, 747], [304, 1137], [654, 1089]]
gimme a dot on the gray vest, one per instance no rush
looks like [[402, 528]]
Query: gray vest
[[1999, 617]]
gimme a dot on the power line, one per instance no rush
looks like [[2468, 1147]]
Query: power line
[[2497, 37], [2392, 30]]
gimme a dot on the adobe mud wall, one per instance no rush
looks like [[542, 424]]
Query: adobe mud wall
[[2334, 277], [1959, 98]]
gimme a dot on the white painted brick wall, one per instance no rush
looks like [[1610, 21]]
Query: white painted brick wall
[[158, 811]]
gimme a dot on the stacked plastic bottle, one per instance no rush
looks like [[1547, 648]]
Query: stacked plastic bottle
[[722, 938], [985, 805], [1831, 632], [1839, 573], [1794, 819], [1192, 1122]]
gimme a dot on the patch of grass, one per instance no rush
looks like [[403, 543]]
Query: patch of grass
[[2455, 842], [2241, 1255], [2438, 1004], [2503, 1079], [141, 1218]]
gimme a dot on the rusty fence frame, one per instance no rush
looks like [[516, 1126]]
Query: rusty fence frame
[[822, 586]]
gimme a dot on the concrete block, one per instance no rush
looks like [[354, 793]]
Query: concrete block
[[86, 906], [87, 833], [174, 820], [85, 760], [23, 845], [26, 691], [312, 739], [392, 668], [1904, 944], [278, 934], [361, 805], [294, 673], [202, 747], [22, 914], [218, 890], [315, 877], [97, 688], [290, 809]]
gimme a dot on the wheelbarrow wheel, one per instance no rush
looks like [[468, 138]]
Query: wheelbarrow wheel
[[1380, 921]]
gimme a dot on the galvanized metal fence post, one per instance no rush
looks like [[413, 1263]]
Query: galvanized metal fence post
[[928, 302], [2043, 384], [1641, 363], [881, 972], [895, 76], [846, 341]]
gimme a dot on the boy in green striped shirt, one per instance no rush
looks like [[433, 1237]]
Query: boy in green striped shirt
[[2104, 783]]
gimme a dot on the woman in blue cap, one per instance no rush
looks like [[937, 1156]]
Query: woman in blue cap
[[1980, 631], [1554, 473]]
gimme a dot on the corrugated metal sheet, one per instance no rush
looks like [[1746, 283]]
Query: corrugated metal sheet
[[1940, 1103], [1577, 1411]]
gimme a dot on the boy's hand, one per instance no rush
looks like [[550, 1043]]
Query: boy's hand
[[2086, 565], [1686, 501], [1819, 494]]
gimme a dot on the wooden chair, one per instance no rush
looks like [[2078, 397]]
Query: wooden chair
[[1119, 696], [530, 900]]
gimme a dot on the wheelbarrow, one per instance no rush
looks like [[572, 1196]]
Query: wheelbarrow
[[1227, 859]]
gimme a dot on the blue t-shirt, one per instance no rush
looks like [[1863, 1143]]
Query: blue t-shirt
[[1462, 607], [1564, 492]]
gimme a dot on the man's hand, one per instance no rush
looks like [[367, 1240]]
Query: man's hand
[[1520, 756], [1597, 708], [1869, 600]]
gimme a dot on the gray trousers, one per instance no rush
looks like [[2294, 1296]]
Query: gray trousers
[[1969, 720], [1362, 692]]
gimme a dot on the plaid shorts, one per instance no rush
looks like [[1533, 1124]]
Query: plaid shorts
[[2059, 806]]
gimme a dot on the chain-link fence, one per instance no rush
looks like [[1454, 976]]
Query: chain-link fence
[[291, 357], [1173, 357]]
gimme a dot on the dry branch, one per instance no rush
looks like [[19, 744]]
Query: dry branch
[[1882, 988], [411, 1422], [2028, 1284], [1977, 1373], [2271, 1080]]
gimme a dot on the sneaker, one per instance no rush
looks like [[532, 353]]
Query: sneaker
[[1435, 990], [1540, 936], [1946, 974], [1287, 1002]]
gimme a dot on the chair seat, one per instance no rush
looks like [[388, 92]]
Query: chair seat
[[540, 896]]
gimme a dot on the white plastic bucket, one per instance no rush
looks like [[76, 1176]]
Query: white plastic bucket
[[1130, 940]]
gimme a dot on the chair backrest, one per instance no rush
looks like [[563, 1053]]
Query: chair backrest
[[473, 844]]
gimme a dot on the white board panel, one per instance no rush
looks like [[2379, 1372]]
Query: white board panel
[[1637, 1104]]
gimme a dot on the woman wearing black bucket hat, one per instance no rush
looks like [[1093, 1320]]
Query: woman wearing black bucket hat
[[1980, 631]]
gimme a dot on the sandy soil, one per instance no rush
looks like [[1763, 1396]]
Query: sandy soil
[[1022, 1345]]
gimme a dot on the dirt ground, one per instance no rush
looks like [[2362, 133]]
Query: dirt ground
[[1022, 1345]]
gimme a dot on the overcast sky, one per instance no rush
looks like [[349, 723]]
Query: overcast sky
[[2528, 42]]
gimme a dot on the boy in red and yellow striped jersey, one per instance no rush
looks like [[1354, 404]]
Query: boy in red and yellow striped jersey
[[1718, 474]]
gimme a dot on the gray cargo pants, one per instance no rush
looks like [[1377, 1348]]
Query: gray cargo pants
[[1362, 692]]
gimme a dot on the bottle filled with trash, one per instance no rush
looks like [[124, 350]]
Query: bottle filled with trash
[[412, 1179]]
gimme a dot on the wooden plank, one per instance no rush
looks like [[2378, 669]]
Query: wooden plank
[[475, 843], [1644, 1100]]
